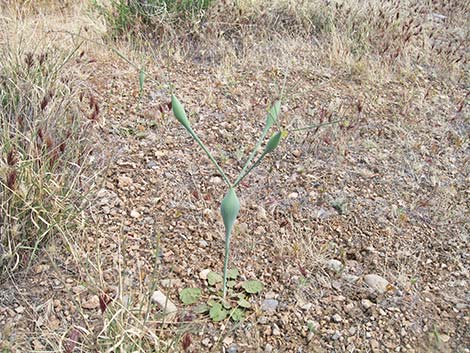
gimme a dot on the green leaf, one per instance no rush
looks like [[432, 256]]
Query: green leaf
[[244, 303], [213, 278], [217, 313], [212, 302], [273, 143], [252, 287], [237, 314], [141, 80], [232, 273], [226, 304], [202, 309], [273, 113], [190, 295], [231, 284], [179, 112]]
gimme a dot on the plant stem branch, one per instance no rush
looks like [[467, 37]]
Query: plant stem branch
[[198, 140]]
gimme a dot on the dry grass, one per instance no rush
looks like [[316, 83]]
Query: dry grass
[[392, 176]]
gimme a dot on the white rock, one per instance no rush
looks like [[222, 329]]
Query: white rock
[[376, 282], [164, 303], [216, 180], [203, 274], [20, 309], [444, 338], [261, 213], [366, 303], [293, 195], [124, 181], [337, 318], [334, 265], [135, 214]]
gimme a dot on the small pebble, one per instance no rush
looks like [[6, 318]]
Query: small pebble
[[336, 336], [337, 318], [269, 305], [268, 348], [203, 274], [135, 214], [377, 283], [276, 330], [164, 303], [334, 265], [151, 165]]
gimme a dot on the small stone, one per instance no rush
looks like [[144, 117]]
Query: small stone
[[268, 348], [151, 165], [78, 289], [170, 282], [92, 302], [336, 336], [20, 309], [206, 342], [366, 303], [293, 195], [269, 305], [261, 213], [374, 344], [334, 265], [216, 180], [164, 303], [232, 348], [270, 295], [135, 214], [276, 330], [350, 278], [203, 274], [377, 283], [444, 338], [310, 336], [337, 318], [306, 306], [124, 181], [228, 340], [296, 153], [203, 243]]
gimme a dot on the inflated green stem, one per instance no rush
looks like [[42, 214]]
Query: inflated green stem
[[229, 208]]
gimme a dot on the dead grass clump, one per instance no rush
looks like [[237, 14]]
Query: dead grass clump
[[44, 130]]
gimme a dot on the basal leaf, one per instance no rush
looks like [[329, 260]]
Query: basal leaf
[[213, 278], [252, 287], [244, 303], [190, 295], [237, 314], [217, 312], [232, 273], [202, 309]]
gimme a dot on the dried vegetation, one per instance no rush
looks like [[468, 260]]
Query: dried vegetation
[[385, 192]]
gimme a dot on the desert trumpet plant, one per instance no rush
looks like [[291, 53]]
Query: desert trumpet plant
[[230, 206]]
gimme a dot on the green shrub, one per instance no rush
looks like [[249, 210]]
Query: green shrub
[[143, 16]]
